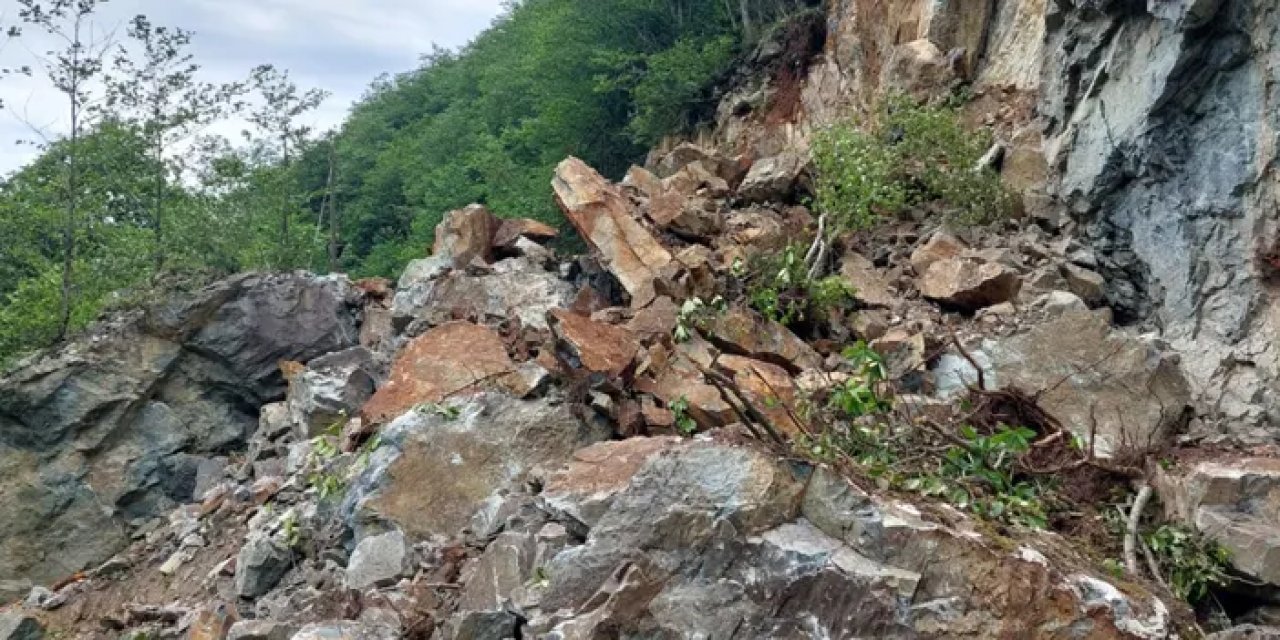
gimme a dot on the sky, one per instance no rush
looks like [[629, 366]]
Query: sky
[[336, 45]]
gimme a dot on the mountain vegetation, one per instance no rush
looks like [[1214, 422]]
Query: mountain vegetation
[[132, 193]]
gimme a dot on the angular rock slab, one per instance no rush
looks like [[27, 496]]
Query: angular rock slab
[[465, 235], [604, 219], [434, 469], [444, 361], [595, 347], [969, 283], [514, 288], [1127, 389]]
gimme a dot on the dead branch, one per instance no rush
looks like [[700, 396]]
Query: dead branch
[[1131, 535]]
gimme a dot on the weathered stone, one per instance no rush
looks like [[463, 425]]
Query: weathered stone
[[921, 70], [447, 360], [110, 428], [771, 389], [969, 284], [212, 622], [773, 179], [681, 380], [465, 235], [15, 625], [330, 390], [1089, 285], [260, 630], [941, 246], [379, 561], [262, 562], [1128, 389], [604, 219], [347, 631], [483, 625], [491, 442], [656, 320], [728, 169], [743, 331], [871, 286], [585, 488], [1247, 632], [510, 232], [595, 347], [514, 288]]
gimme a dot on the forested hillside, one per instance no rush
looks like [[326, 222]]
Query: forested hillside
[[134, 194]]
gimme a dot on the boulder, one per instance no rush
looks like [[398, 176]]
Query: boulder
[[379, 561], [511, 231], [260, 630], [261, 564], [601, 350], [604, 219], [347, 630], [447, 360], [770, 389], [465, 235], [773, 179], [109, 428], [15, 625], [331, 389], [1128, 389], [584, 489], [514, 288], [871, 286], [1235, 502], [940, 246], [920, 69], [730, 170], [742, 331], [465, 456], [969, 283], [212, 622], [1089, 285]]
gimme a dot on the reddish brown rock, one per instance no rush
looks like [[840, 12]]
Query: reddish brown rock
[[466, 234], [585, 486], [655, 320], [969, 283], [592, 346], [871, 286], [681, 379], [449, 359], [604, 219], [510, 231], [941, 246], [770, 388], [212, 623], [743, 331]]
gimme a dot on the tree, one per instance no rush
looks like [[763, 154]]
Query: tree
[[9, 31], [158, 93], [276, 119], [72, 71]]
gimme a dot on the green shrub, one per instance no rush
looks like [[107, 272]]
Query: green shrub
[[779, 287], [908, 155], [1192, 562]]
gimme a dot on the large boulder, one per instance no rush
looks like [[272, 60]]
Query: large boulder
[[330, 390], [444, 361], [1128, 392], [432, 293], [466, 235], [969, 283], [110, 429], [604, 218], [435, 469]]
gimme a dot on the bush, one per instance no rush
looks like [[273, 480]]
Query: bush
[[908, 155], [779, 287]]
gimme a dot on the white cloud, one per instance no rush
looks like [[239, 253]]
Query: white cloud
[[337, 45]]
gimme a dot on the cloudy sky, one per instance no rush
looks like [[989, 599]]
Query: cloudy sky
[[337, 45]]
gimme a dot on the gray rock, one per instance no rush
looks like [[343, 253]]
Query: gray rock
[[379, 561], [260, 630], [1127, 390], [346, 631], [513, 288], [484, 625], [1247, 632], [1089, 285], [110, 428], [18, 626], [261, 564], [773, 179], [330, 390]]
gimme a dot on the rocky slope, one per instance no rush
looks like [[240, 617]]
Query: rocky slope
[[509, 443]]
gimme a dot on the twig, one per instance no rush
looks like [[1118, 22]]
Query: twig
[[1131, 536], [1152, 565], [982, 377]]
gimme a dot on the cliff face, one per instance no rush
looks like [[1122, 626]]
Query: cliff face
[[1148, 128], [512, 443]]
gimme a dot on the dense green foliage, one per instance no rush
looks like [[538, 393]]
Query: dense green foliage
[[121, 204], [907, 155]]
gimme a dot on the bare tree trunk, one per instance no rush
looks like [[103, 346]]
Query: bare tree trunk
[[158, 205], [333, 213], [73, 186]]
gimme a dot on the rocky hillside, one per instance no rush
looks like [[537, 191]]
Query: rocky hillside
[[1057, 425]]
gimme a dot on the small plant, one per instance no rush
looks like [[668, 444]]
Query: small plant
[[1191, 562], [980, 477], [289, 529], [322, 477], [695, 314], [685, 423], [780, 289], [907, 155], [860, 395], [448, 412]]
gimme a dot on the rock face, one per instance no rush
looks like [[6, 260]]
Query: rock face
[[449, 359], [605, 220], [1128, 391], [465, 458], [110, 429]]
